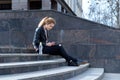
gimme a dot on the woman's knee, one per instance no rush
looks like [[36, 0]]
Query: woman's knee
[[59, 46]]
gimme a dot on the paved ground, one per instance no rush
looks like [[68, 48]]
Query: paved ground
[[111, 76]]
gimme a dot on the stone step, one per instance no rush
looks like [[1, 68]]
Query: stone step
[[90, 74], [16, 50], [111, 76], [60, 73], [20, 67], [17, 57]]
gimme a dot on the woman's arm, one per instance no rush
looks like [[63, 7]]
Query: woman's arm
[[36, 39]]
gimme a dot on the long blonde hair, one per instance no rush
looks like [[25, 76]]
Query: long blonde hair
[[46, 20]]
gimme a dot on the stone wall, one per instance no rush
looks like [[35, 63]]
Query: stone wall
[[81, 38]]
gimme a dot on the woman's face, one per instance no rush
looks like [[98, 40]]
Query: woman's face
[[49, 26]]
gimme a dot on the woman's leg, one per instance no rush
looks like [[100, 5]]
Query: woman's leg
[[58, 50]]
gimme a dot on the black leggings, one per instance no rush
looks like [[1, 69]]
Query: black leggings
[[57, 50]]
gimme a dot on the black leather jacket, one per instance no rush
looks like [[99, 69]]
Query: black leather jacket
[[39, 36]]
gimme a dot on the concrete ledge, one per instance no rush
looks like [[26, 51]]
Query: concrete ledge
[[18, 57], [16, 50], [60, 73], [90, 74], [20, 67]]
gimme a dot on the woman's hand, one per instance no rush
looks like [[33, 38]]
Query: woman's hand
[[36, 49], [50, 43]]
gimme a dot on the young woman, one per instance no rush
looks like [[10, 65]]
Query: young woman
[[42, 45]]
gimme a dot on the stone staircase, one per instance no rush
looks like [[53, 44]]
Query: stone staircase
[[32, 66]]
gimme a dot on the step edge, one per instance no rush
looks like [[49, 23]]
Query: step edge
[[23, 54], [98, 76], [30, 63], [37, 73]]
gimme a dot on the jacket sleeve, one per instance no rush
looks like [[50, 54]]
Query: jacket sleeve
[[38, 37]]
